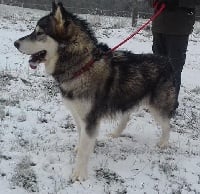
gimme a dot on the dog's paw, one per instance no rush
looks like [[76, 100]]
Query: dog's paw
[[79, 174], [113, 135], [163, 144]]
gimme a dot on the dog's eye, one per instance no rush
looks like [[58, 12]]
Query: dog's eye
[[39, 33]]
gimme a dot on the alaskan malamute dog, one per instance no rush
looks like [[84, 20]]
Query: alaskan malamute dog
[[96, 83]]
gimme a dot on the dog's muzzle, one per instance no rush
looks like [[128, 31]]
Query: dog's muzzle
[[35, 58]]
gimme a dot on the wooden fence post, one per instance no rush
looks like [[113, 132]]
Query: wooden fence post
[[134, 12]]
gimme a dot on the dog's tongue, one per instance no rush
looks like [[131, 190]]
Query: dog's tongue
[[36, 59], [33, 65]]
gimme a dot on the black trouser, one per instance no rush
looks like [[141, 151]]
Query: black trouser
[[174, 47]]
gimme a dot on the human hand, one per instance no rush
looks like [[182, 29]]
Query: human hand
[[170, 4]]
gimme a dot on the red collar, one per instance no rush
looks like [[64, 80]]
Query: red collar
[[85, 68], [89, 64]]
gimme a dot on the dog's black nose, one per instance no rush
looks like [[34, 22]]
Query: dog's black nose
[[16, 43]]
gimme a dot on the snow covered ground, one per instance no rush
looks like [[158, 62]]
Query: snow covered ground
[[38, 135]]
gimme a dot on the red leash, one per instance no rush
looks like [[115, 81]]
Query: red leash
[[91, 62], [141, 28]]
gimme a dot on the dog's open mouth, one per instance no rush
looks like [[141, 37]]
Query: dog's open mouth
[[37, 58]]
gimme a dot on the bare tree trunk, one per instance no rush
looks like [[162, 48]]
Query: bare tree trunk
[[134, 12]]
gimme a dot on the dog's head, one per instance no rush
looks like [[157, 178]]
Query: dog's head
[[42, 44]]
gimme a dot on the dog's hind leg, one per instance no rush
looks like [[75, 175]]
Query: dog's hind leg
[[162, 104], [122, 125], [164, 140], [164, 122]]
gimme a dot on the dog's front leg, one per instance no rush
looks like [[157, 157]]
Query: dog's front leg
[[76, 116], [86, 146], [77, 120]]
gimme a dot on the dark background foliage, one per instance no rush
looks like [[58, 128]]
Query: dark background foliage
[[100, 7]]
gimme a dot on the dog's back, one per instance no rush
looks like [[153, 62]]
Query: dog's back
[[133, 77]]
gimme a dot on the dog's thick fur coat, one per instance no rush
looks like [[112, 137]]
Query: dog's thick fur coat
[[116, 82]]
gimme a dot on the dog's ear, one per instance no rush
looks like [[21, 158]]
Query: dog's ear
[[58, 11]]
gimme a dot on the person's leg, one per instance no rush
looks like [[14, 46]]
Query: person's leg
[[159, 47], [176, 46]]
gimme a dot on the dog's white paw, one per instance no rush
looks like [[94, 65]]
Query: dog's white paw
[[79, 174], [113, 135], [163, 144]]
